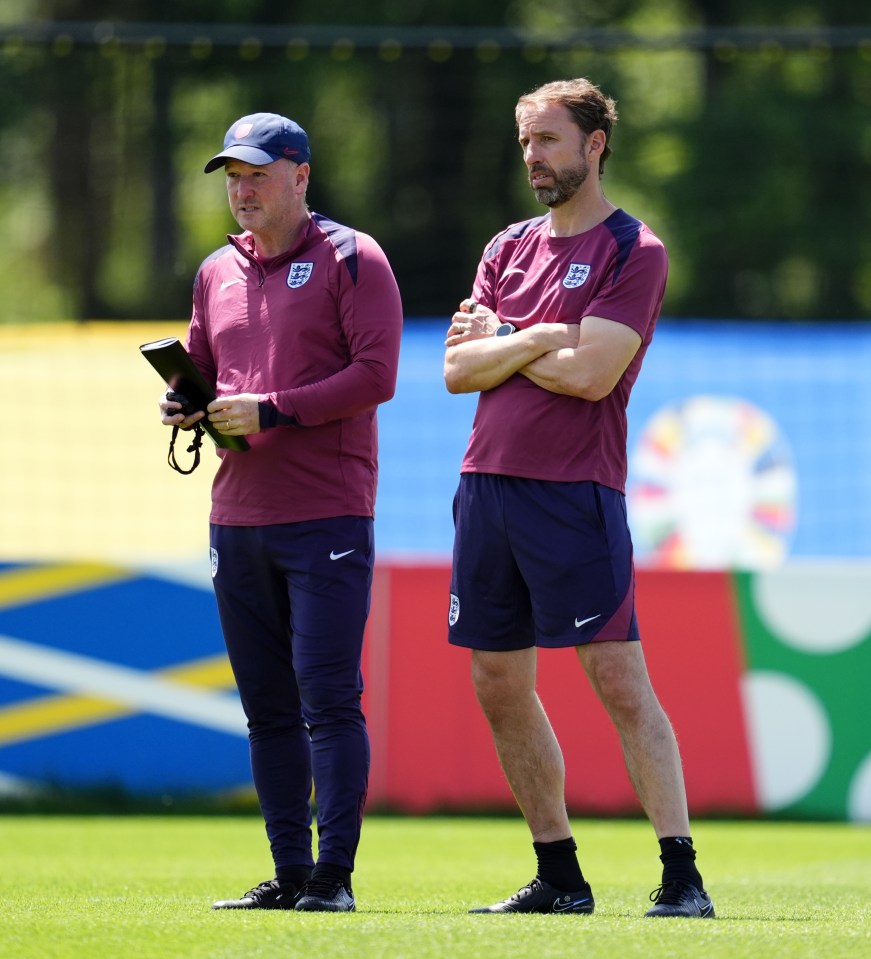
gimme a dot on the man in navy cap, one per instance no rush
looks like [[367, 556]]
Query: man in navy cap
[[296, 322]]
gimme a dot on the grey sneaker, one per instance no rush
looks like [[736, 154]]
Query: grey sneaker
[[268, 895], [538, 896], [679, 898], [325, 894]]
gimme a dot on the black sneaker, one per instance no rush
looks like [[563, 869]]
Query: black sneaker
[[679, 898], [268, 895], [540, 896], [325, 894]]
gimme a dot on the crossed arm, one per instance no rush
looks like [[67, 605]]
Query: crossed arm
[[584, 360]]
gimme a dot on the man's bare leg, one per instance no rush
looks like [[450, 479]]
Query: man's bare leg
[[533, 765], [618, 674], [525, 742]]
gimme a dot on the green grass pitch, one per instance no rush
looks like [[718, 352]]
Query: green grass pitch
[[140, 888]]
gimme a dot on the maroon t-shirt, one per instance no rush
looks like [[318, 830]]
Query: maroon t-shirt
[[617, 271], [316, 332]]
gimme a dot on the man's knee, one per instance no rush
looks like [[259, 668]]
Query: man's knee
[[619, 676]]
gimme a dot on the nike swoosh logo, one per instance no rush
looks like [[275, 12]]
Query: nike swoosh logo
[[227, 283], [335, 555], [589, 619], [704, 907], [565, 906], [514, 269]]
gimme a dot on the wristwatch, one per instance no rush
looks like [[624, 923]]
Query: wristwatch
[[505, 329]]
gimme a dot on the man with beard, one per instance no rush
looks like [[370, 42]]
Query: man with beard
[[562, 311]]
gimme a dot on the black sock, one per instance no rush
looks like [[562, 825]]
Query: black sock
[[678, 860], [326, 870], [292, 875], [558, 864]]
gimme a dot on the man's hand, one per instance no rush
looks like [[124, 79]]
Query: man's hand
[[235, 415], [172, 413], [472, 322]]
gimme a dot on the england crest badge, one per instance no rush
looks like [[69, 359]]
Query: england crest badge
[[577, 275], [454, 611], [298, 274]]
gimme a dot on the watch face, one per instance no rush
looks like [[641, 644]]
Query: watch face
[[506, 329]]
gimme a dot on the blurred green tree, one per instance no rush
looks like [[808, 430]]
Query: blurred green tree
[[744, 140]]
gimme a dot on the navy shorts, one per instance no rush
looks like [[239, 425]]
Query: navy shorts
[[540, 563]]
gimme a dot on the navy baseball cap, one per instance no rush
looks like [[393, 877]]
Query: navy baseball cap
[[263, 138]]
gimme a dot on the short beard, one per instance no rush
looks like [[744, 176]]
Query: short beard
[[566, 185]]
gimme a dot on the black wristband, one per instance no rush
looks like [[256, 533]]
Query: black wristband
[[271, 416]]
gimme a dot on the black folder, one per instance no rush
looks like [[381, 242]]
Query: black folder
[[173, 362]]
